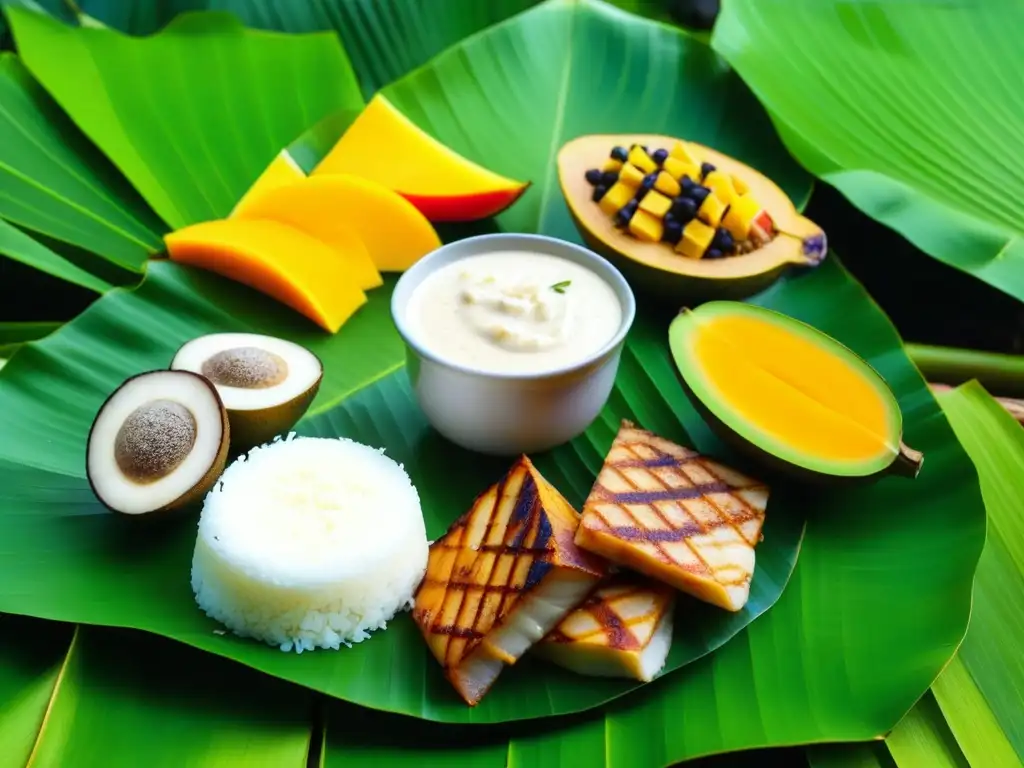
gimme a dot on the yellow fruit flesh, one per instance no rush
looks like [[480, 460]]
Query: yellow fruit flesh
[[393, 232], [792, 389], [281, 172], [280, 261], [313, 206]]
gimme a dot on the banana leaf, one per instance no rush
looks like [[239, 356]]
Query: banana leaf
[[53, 181], [123, 699], [31, 657], [878, 599], [202, 108], [15, 244], [909, 109], [14, 334]]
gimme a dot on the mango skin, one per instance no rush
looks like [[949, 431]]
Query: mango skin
[[906, 464]]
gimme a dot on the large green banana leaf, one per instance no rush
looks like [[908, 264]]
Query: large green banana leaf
[[53, 181], [913, 110], [878, 600], [193, 114]]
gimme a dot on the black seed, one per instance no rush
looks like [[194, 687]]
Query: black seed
[[620, 154], [594, 177], [697, 194], [599, 192], [640, 193], [609, 177], [648, 182], [625, 213], [688, 184], [673, 231], [713, 253], [659, 156], [723, 240], [705, 169], [683, 208]]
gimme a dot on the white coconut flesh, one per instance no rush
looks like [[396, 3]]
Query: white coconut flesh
[[154, 439], [251, 371], [309, 543]]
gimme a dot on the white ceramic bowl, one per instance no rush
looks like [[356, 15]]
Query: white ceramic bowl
[[501, 413]]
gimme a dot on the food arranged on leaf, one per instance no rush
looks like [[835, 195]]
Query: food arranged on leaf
[[385, 146], [317, 243], [788, 394], [158, 443], [678, 517], [505, 573], [309, 543], [265, 383], [683, 210], [283, 262], [624, 629]]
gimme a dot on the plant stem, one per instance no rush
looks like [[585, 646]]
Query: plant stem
[[999, 374]]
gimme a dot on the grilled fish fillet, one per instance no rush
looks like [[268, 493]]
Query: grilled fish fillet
[[667, 512], [624, 629], [501, 578]]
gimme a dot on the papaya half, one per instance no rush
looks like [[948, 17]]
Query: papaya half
[[788, 395], [681, 219]]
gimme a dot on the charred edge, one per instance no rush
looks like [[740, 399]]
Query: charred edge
[[453, 630]]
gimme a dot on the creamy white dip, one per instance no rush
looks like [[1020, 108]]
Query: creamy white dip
[[514, 312]]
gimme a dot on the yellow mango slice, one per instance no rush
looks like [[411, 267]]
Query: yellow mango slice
[[281, 172], [296, 269], [311, 206], [393, 232]]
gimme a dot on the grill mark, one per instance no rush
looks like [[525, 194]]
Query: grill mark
[[494, 563], [526, 503], [601, 608], [672, 535], [663, 460], [668, 494], [619, 635], [453, 630], [500, 489]]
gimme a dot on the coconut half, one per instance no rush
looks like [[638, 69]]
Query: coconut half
[[266, 383], [159, 442]]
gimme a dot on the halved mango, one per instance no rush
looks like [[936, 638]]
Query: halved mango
[[392, 231], [654, 266], [385, 146], [281, 172], [313, 206], [296, 269], [789, 394]]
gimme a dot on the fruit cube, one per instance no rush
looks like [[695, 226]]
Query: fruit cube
[[721, 184], [711, 210], [681, 151], [655, 204], [631, 175], [641, 159], [612, 165], [739, 185], [697, 236], [740, 216], [666, 184], [616, 197], [678, 168], [646, 226]]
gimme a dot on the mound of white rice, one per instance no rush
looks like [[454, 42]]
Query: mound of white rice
[[309, 543]]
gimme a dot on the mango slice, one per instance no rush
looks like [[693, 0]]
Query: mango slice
[[291, 266], [789, 394], [392, 231], [385, 146], [313, 206], [281, 172]]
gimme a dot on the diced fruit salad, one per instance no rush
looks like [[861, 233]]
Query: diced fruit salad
[[670, 196]]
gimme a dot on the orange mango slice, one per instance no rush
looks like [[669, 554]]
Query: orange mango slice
[[281, 172], [385, 146], [315, 208], [392, 231], [283, 262]]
